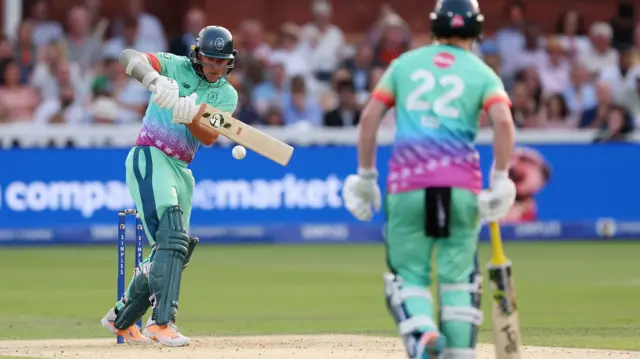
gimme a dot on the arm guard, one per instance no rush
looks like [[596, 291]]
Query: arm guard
[[137, 66]]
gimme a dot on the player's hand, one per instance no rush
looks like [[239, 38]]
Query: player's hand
[[361, 194], [496, 202], [185, 109], [166, 92]]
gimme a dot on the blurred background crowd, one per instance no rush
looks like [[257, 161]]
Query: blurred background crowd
[[582, 75]]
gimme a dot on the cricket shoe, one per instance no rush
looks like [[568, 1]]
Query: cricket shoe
[[430, 345], [130, 335], [168, 334]]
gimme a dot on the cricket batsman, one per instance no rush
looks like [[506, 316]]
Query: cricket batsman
[[160, 181], [434, 187]]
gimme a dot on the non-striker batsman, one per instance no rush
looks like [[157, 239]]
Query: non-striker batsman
[[434, 187], [160, 181]]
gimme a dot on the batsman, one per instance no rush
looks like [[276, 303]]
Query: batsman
[[160, 181], [434, 194]]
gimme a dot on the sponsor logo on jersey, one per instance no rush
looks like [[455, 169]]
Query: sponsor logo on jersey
[[444, 60]]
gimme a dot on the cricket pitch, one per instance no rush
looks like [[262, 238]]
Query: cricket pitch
[[266, 347]]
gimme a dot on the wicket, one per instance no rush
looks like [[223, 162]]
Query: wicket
[[122, 225]]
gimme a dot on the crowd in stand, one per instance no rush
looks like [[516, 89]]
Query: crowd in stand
[[578, 76]]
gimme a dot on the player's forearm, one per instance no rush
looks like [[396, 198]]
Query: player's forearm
[[503, 137], [367, 135], [138, 66]]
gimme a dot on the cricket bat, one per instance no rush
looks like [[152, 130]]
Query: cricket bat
[[244, 134], [506, 326]]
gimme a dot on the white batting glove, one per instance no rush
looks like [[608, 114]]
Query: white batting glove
[[361, 192], [166, 90], [495, 203], [185, 109]]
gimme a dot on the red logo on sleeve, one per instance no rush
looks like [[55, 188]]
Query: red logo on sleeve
[[444, 60]]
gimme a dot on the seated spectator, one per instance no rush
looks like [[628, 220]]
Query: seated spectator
[[572, 33], [623, 23], [244, 110], [554, 69], [347, 113], [288, 52], [630, 100], [251, 41], [510, 38], [490, 53], [329, 98], [533, 53], [26, 51], [616, 126], [596, 117], [194, 21], [359, 65], [63, 110], [271, 91], [150, 30], [524, 109], [17, 102], [530, 77], [555, 113], [82, 47], [395, 39], [581, 92], [600, 53], [129, 39], [375, 74], [6, 53], [45, 31], [299, 107], [635, 57], [622, 75], [273, 117], [44, 77]]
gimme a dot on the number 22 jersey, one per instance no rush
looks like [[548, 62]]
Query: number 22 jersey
[[438, 92]]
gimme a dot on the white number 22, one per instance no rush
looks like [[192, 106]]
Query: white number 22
[[441, 104]]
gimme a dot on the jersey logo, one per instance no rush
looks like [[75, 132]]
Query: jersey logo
[[212, 97], [186, 85], [219, 43], [444, 60], [457, 21]]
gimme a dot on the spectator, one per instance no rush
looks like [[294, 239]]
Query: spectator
[[270, 92], [44, 31], [7, 52], [359, 65], [531, 79], [17, 102], [273, 117], [330, 98], [82, 46], [322, 41], [600, 54], [555, 113], [630, 100], [194, 21], [66, 105], [375, 74], [573, 33], [524, 106], [596, 117], [394, 40], [251, 41], [510, 38], [44, 78], [621, 75], [554, 69], [347, 113], [26, 52], [533, 53], [288, 52], [299, 107], [245, 110], [623, 23], [617, 125], [636, 46], [150, 29], [580, 95], [129, 39], [128, 95]]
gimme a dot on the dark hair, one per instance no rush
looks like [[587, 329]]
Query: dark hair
[[345, 85], [130, 21], [564, 108], [298, 84], [562, 19]]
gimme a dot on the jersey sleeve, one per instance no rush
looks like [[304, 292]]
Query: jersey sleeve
[[385, 90], [161, 61], [494, 92]]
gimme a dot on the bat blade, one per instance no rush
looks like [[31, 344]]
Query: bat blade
[[506, 323], [244, 134]]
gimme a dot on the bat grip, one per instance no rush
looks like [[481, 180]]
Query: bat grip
[[497, 251]]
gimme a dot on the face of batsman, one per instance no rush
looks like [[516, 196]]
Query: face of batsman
[[529, 172]]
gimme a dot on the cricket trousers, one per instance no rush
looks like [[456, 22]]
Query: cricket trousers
[[447, 220], [157, 182]]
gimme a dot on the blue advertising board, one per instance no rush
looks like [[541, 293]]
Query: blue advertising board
[[74, 194]]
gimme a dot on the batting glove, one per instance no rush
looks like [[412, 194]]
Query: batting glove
[[185, 109], [361, 194], [166, 92], [495, 203]]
